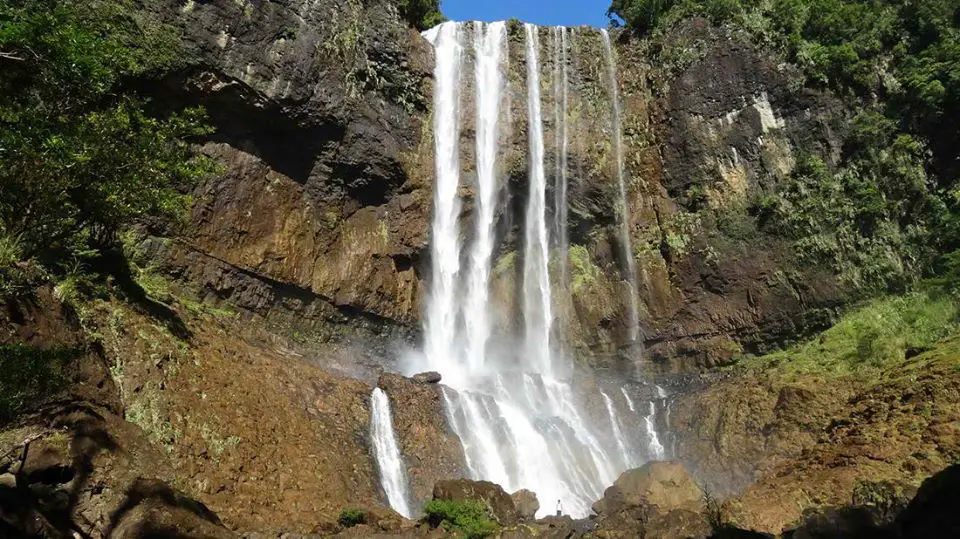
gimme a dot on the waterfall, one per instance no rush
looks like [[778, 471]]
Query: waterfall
[[523, 418], [537, 308], [489, 43], [441, 316], [630, 277], [393, 475], [655, 449], [625, 454]]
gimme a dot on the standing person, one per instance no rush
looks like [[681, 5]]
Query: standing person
[[559, 509]]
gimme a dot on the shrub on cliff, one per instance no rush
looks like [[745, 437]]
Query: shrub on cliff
[[422, 14], [470, 517], [80, 155], [351, 517]]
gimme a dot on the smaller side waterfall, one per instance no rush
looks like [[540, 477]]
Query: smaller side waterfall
[[393, 475], [630, 272]]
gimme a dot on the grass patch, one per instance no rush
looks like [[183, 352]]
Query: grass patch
[[469, 517], [872, 337], [352, 517], [30, 375]]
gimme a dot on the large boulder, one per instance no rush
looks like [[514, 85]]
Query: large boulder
[[430, 377], [526, 503], [491, 494], [665, 485]]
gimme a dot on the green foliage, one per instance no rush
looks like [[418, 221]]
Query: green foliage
[[872, 337], [470, 517], [421, 14], [80, 156], [352, 517], [884, 499], [29, 375], [584, 272], [883, 214], [874, 221], [640, 15]]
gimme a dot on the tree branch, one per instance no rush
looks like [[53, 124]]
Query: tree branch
[[10, 56]]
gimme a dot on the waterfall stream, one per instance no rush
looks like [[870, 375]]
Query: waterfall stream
[[393, 475], [629, 269], [524, 418]]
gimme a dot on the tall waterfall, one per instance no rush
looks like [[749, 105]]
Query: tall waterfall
[[630, 277], [524, 419], [393, 475], [537, 301]]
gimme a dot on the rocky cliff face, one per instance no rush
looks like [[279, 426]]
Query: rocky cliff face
[[320, 218], [321, 212]]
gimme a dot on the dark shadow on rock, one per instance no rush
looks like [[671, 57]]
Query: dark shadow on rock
[[157, 492], [731, 532], [935, 510], [117, 266]]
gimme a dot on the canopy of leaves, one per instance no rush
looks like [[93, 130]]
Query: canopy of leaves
[[79, 155], [422, 14]]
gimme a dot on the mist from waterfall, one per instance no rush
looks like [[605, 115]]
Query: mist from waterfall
[[524, 419], [393, 474]]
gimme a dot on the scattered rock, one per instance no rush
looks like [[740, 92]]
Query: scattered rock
[[427, 378], [526, 503], [500, 503]]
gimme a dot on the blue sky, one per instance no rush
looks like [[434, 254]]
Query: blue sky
[[546, 12]]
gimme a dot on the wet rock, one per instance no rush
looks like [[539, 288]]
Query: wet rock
[[427, 378], [526, 503], [500, 503], [665, 485]]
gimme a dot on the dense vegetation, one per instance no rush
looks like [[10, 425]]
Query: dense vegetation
[[468, 517], [28, 375], [422, 14], [81, 155], [888, 211]]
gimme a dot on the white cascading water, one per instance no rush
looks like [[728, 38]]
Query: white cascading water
[[537, 300], [630, 277], [489, 48], [655, 449], [521, 418], [393, 474]]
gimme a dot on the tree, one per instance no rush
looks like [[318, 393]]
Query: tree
[[422, 14], [640, 15], [80, 157]]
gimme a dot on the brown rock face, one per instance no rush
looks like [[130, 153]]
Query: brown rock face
[[500, 503], [430, 449], [323, 207], [664, 485]]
